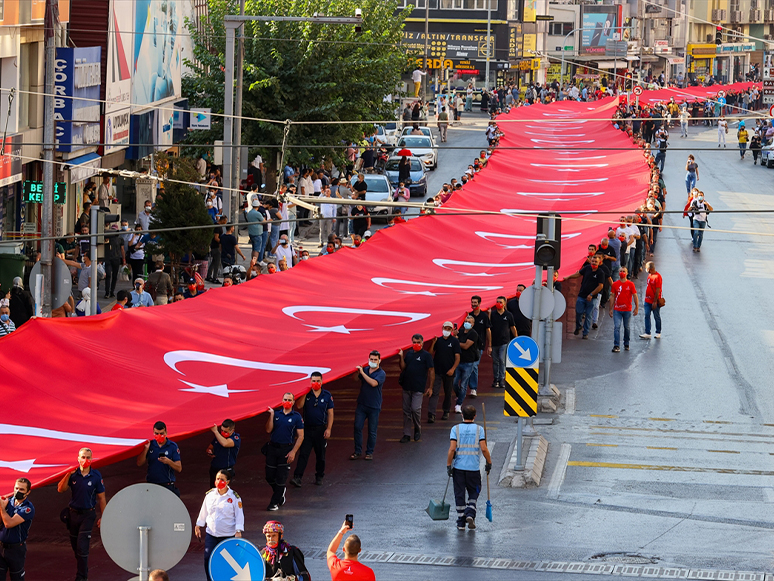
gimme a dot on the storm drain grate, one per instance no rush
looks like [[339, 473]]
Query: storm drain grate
[[624, 559]]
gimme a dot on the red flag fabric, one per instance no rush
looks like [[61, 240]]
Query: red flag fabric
[[103, 381]]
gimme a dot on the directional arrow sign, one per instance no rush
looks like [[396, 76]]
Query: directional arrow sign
[[236, 560], [522, 352]]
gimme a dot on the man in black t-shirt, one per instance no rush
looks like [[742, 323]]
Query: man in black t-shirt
[[446, 357], [600, 299], [483, 327], [361, 220], [503, 330], [229, 247], [591, 285], [360, 187], [469, 355], [414, 367], [522, 322]]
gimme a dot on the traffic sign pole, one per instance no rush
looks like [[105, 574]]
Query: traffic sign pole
[[521, 386]]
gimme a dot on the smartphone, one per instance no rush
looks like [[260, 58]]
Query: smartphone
[[349, 519]]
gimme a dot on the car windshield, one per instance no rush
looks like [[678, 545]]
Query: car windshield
[[375, 183], [424, 130], [391, 126], [379, 130], [415, 141], [392, 165]]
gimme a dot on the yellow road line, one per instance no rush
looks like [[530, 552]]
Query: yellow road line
[[725, 451], [669, 468], [660, 448], [602, 445], [723, 422], [662, 419]]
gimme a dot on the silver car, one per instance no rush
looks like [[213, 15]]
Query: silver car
[[420, 146], [378, 191]]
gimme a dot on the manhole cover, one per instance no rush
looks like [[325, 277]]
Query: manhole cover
[[624, 558]]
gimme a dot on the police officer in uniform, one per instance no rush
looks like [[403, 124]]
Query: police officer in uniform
[[163, 458], [285, 426], [317, 406], [87, 491], [17, 513], [224, 448], [221, 516]]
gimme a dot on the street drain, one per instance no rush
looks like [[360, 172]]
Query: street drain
[[624, 558]]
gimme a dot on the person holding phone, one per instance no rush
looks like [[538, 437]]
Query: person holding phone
[[162, 456], [348, 568]]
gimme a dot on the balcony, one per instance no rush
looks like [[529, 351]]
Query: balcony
[[718, 15], [736, 17]]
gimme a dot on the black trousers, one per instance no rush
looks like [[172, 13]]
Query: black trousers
[[277, 471], [466, 481], [80, 527], [12, 561], [111, 274], [313, 440], [137, 265]]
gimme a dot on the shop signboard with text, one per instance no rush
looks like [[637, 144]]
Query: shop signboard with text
[[118, 80], [444, 45], [11, 161], [77, 81], [599, 25]]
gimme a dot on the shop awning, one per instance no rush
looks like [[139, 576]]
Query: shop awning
[[82, 168]]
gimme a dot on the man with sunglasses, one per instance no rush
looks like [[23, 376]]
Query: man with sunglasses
[[317, 406]]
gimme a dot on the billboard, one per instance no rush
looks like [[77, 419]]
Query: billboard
[[10, 161], [599, 25], [118, 77], [157, 55], [77, 78]]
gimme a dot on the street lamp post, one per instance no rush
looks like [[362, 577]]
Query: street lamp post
[[564, 43], [488, 40]]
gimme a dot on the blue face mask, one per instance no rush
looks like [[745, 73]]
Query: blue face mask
[[4, 318], [467, 326]]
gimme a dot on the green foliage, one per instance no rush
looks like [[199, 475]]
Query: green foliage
[[302, 72]]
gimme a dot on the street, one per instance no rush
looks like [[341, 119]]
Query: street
[[664, 462]]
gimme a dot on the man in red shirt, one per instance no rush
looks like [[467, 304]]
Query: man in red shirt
[[124, 300], [652, 301], [623, 294], [348, 568]]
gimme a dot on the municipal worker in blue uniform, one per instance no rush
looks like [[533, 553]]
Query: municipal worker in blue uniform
[[223, 449], [163, 458], [287, 433], [17, 513], [468, 442], [88, 490], [317, 406]]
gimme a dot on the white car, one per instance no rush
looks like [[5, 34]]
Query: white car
[[425, 131], [767, 155], [420, 146], [388, 134]]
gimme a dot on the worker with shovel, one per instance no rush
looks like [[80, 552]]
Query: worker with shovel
[[468, 442]]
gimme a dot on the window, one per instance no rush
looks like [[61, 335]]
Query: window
[[559, 28], [24, 62], [418, 4], [450, 4]]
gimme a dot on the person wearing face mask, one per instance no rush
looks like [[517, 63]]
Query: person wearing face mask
[[17, 513], [138, 296], [212, 211], [191, 289], [286, 427], [88, 491], [136, 252], [285, 251], [699, 210], [503, 330], [6, 324], [414, 368], [221, 516], [446, 357], [224, 448], [317, 406], [162, 456], [624, 294], [369, 404], [143, 220], [591, 285], [304, 255], [469, 355], [282, 560]]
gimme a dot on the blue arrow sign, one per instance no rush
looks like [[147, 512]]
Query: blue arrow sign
[[236, 560], [522, 352], [722, 101]]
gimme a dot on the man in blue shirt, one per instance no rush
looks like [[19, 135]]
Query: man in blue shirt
[[369, 404], [163, 458], [138, 296], [17, 514], [80, 516], [317, 406], [285, 426], [414, 367], [468, 442], [224, 448]]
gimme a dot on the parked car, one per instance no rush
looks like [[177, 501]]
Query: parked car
[[767, 155], [418, 184], [425, 131], [379, 190], [388, 134], [422, 147]]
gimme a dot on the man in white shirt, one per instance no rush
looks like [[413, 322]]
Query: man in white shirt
[[416, 76], [328, 214], [632, 234], [286, 252]]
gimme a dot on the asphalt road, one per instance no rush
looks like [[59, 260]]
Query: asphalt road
[[665, 458]]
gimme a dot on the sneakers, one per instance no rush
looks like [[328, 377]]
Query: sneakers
[[473, 393], [457, 409], [272, 507], [445, 416], [657, 335], [405, 439], [616, 349], [645, 336], [318, 480], [594, 326], [460, 527], [577, 330], [430, 418], [471, 522], [585, 337], [296, 481], [626, 347]]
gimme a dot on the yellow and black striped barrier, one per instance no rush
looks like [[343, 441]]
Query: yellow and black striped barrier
[[521, 391]]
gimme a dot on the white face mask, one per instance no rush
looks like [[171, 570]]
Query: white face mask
[[373, 365], [446, 334]]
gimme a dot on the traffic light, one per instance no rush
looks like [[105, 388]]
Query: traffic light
[[719, 35], [548, 242], [101, 224]]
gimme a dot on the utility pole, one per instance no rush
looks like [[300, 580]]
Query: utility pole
[[237, 149], [427, 34], [488, 41], [47, 225]]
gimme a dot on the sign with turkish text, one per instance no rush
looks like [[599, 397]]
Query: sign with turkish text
[[11, 161], [599, 25], [443, 45], [77, 79], [32, 192]]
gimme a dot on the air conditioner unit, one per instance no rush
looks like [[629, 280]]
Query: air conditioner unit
[[768, 15], [755, 16], [718, 15], [710, 38], [736, 16]]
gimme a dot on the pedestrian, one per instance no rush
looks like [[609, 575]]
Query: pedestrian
[[469, 354], [161, 283], [414, 368], [624, 293], [469, 98], [221, 516], [6, 324], [136, 253], [80, 516], [699, 211], [282, 560], [83, 308], [317, 406], [503, 330], [114, 259], [229, 248], [467, 443], [684, 115], [483, 327], [653, 301], [662, 143], [446, 357], [722, 130], [162, 456], [327, 215], [592, 284], [416, 76], [17, 513], [692, 173], [349, 568], [224, 448], [369, 404], [287, 434], [443, 123], [743, 138], [522, 322], [255, 227], [755, 147], [158, 575]]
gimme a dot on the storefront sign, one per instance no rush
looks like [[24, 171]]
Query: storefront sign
[[118, 78], [515, 41], [200, 119], [442, 45], [32, 192], [76, 106], [736, 47], [84, 167], [599, 25], [11, 162], [704, 50], [116, 130], [530, 46], [768, 77]]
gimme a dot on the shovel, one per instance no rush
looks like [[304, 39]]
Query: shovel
[[439, 510], [488, 501]]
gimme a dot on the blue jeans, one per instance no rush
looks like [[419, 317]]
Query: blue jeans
[[473, 383], [583, 307], [618, 317], [698, 232], [264, 240], [660, 159], [649, 308], [742, 149], [632, 259], [273, 238], [363, 413], [690, 181], [468, 103], [461, 380], [498, 363]]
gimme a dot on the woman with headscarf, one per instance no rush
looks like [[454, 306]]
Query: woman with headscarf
[[221, 516], [281, 559], [83, 308]]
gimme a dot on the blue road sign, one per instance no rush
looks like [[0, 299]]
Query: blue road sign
[[722, 101], [236, 560], [522, 352]]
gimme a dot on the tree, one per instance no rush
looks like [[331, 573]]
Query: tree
[[180, 206], [302, 72]]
